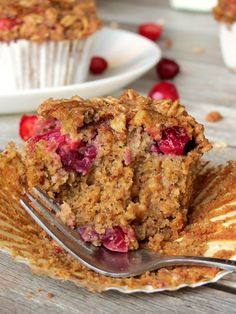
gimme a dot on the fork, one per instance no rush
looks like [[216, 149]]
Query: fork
[[113, 264]]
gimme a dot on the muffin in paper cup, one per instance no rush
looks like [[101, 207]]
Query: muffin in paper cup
[[45, 44], [32, 65], [225, 14], [194, 5]]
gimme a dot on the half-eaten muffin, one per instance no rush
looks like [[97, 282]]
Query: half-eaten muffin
[[121, 169]]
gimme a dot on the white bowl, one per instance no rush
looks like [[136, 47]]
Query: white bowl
[[194, 5], [228, 44]]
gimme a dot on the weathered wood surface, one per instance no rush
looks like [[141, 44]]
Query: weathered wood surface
[[19, 294], [205, 85]]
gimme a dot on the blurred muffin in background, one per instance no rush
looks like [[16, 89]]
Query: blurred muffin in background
[[45, 43], [225, 14]]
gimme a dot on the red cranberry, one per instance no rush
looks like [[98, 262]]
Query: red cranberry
[[27, 126], [7, 24], [173, 141], [164, 90], [116, 239], [58, 249], [98, 65], [83, 166], [128, 157], [167, 69], [76, 156], [151, 30], [51, 136], [88, 151]]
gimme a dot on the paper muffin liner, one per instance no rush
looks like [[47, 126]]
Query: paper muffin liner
[[25, 64], [195, 5], [214, 212], [228, 44]]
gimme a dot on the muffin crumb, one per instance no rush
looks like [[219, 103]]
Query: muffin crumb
[[214, 116], [50, 295]]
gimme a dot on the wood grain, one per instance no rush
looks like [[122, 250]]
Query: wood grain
[[19, 294], [205, 85]]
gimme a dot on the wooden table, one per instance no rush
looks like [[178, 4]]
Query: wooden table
[[205, 85]]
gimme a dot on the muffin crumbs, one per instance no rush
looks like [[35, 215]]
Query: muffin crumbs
[[213, 116]]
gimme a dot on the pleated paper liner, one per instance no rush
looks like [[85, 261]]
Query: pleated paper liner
[[211, 232], [25, 64]]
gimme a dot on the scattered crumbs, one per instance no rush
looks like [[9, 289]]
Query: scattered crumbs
[[198, 50], [29, 295], [168, 43], [40, 290], [50, 295], [114, 25], [220, 144], [213, 116]]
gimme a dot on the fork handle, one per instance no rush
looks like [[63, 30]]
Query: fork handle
[[225, 264]]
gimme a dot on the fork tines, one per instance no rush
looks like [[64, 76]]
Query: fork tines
[[42, 209]]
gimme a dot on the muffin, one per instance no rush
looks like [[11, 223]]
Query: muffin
[[194, 5], [121, 169], [225, 14], [45, 43]]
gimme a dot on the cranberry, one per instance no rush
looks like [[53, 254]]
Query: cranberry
[[151, 30], [98, 65], [27, 126], [7, 24], [76, 156], [167, 69], [53, 137], [116, 239], [58, 249], [128, 157], [88, 151], [83, 166], [164, 90], [173, 141]]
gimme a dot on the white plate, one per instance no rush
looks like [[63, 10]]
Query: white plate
[[194, 5], [128, 54]]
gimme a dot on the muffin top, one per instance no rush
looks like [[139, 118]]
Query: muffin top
[[130, 109], [225, 11], [40, 21]]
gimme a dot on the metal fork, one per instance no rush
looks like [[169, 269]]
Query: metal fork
[[42, 209]]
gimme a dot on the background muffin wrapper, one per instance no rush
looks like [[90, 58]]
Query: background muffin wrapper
[[25, 64], [228, 44]]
